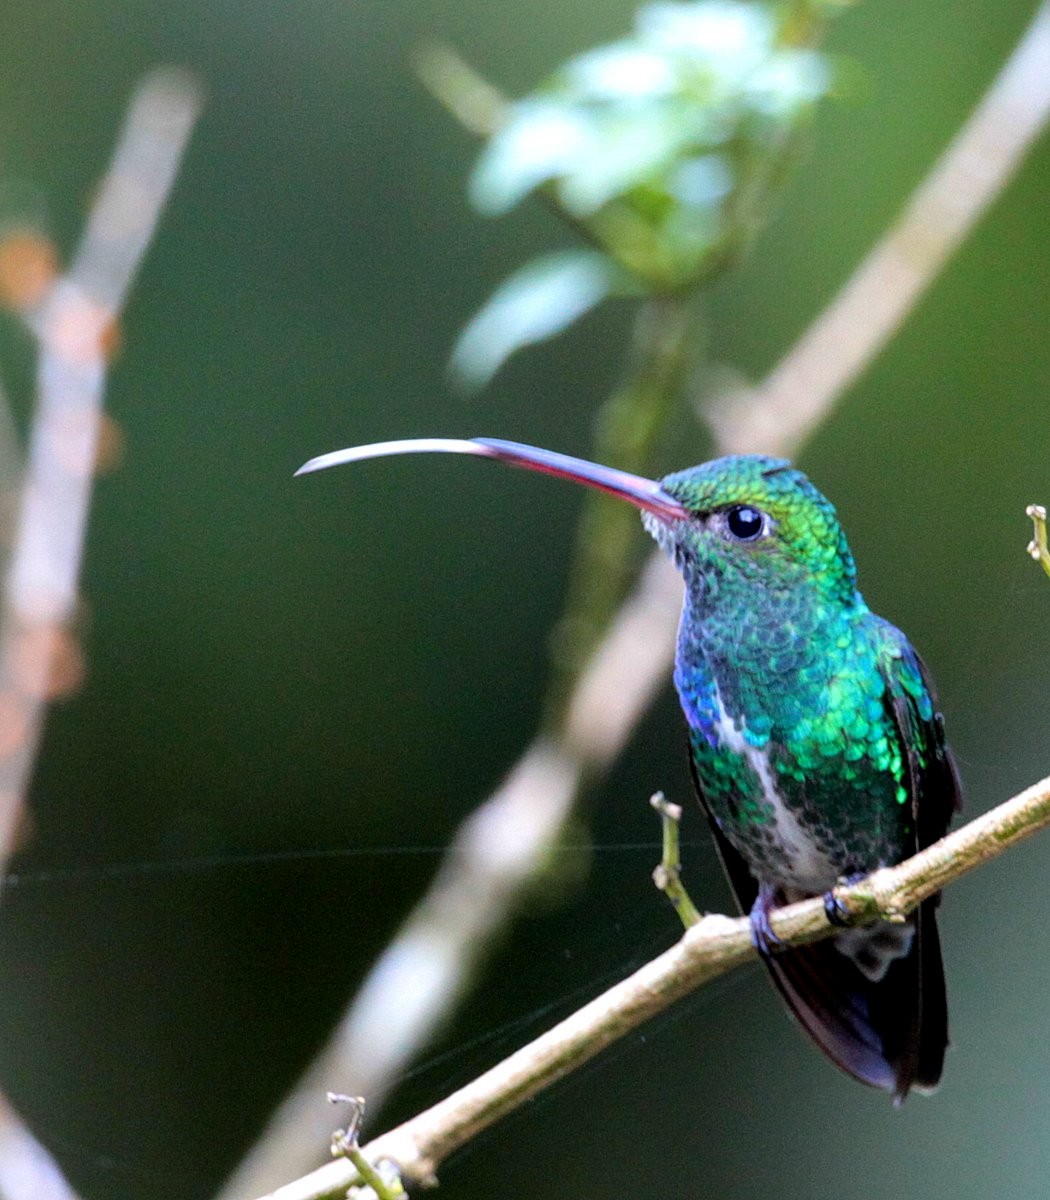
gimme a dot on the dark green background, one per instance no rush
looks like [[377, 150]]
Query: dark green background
[[351, 661]]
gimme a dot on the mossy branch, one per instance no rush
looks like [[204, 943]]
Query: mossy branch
[[715, 945]]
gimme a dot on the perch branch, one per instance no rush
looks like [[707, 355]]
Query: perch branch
[[478, 106], [708, 949]]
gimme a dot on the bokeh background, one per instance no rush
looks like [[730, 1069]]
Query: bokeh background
[[343, 666]]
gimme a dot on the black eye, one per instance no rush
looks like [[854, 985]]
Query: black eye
[[745, 523]]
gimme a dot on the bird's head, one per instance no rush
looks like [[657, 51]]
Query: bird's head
[[757, 520]]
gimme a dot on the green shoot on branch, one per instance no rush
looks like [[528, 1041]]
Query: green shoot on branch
[[1037, 547], [668, 875]]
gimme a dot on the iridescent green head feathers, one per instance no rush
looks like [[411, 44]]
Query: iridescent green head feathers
[[760, 518]]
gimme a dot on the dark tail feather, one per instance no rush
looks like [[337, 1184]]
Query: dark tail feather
[[933, 1040], [890, 1033]]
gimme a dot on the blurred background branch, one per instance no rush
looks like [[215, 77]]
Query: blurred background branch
[[73, 317], [866, 313], [75, 323], [595, 701]]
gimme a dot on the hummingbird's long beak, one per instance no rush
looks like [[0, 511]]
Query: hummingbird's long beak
[[642, 493]]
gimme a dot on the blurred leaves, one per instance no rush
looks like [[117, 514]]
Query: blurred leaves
[[535, 303], [662, 149]]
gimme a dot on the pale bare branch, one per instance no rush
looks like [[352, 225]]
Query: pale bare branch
[[39, 657], [72, 325], [27, 1171]]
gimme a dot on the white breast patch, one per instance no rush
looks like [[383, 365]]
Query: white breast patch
[[806, 865]]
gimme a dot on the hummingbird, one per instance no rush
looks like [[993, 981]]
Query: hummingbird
[[815, 743]]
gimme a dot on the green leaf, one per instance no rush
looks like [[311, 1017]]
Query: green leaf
[[542, 139], [629, 148], [623, 71], [790, 81], [730, 37], [535, 303]]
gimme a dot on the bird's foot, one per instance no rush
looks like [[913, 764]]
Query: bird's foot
[[835, 911], [763, 938]]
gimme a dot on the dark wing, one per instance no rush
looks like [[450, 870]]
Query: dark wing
[[935, 792], [932, 779]]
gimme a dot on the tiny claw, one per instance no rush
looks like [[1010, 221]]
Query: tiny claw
[[345, 1140], [763, 938], [835, 910]]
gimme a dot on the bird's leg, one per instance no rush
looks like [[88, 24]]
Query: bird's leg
[[764, 939], [835, 911]]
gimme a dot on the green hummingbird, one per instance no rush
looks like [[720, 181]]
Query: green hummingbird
[[815, 742]]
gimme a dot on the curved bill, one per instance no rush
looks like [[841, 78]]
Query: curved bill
[[642, 493]]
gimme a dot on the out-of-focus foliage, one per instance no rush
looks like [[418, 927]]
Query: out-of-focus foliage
[[663, 148], [541, 299]]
